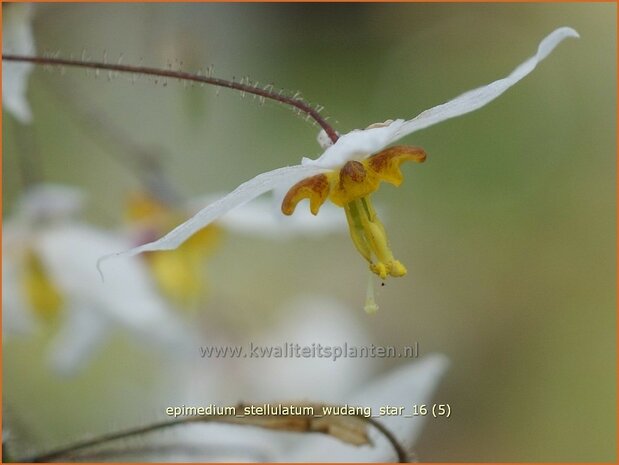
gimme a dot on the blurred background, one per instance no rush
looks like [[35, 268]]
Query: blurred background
[[507, 230]]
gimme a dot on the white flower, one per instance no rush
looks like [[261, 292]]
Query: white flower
[[410, 384], [352, 381], [352, 168], [50, 256], [17, 38]]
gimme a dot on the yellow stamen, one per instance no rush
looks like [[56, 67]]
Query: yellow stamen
[[350, 187], [368, 235]]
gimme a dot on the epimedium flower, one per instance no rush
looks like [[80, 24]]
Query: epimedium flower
[[48, 282], [350, 187], [351, 169]]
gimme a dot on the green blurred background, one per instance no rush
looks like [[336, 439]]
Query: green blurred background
[[508, 229]]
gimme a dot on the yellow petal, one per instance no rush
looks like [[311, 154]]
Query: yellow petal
[[315, 188], [178, 274], [144, 207], [205, 241], [386, 164]]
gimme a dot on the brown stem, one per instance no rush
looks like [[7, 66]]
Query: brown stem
[[397, 447], [302, 106], [50, 456], [65, 451]]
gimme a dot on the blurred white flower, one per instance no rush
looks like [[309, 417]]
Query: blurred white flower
[[307, 320], [355, 381], [410, 384], [352, 168], [17, 38], [181, 273], [50, 255], [14, 318], [351, 381]]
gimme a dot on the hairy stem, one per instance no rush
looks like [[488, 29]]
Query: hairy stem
[[301, 105]]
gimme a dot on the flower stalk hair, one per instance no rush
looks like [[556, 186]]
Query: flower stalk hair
[[266, 92]]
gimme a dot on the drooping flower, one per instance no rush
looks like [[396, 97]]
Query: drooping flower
[[48, 254], [352, 168], [17, 38], [350, 187]]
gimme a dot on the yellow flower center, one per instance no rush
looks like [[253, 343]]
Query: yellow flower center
[[179, 273], [350, 188], [41, 293]]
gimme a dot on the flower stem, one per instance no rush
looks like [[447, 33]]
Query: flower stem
[[275, 422], [295, 102]]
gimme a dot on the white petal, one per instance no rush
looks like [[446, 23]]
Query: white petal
[[17, 39], [224, 443], [195, 443], [127, 297], [82, 333], [411, 384], [50, 201], [310, 320], [16, 315], [259, 218], [263, 218], [359, 144], [477, 98], [247, 191]]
